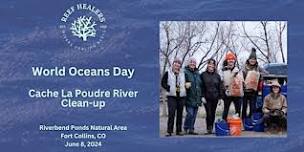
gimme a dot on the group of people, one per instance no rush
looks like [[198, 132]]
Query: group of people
[[187, 87]]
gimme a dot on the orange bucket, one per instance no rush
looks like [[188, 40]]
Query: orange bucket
[[235, 126]]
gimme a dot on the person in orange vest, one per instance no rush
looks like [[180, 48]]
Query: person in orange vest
[[230, 74]]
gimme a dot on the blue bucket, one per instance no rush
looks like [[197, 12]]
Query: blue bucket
[[222, 128], [247, 123], [259, 102], [266, 90], [284, 90], [258, 122]]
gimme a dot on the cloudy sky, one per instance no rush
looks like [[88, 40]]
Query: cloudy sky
[[253, 28]]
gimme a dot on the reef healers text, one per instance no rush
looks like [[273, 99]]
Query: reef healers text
[[72, 71]]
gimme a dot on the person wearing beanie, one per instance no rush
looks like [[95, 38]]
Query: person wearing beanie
[[275, 109], [233, 84], [252, 76], [173, 82], [212, 94], [194, 95]]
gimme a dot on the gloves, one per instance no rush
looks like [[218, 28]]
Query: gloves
[[220, 102], [280, 112], [277, 112], [204, 100]]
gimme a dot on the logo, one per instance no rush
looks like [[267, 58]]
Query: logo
[[83, 27]]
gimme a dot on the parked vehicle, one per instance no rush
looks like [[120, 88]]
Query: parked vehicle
[[276, 72]]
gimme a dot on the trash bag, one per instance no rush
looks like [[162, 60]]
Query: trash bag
[[252, 80], [236, 87]]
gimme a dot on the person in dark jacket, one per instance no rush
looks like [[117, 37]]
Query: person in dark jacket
[[174, 83], [194, 95], [212, 92], [230, 73], [252, 75]]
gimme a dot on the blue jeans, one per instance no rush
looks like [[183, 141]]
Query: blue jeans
[[190, 118]]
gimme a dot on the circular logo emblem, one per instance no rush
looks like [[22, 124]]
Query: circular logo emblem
[[83, 26]]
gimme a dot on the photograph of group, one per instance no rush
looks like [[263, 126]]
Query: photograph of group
[[223, 78]]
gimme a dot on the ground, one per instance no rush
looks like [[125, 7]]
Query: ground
[[200, 125]]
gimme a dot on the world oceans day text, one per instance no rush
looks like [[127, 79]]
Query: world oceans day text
[[39, 71]]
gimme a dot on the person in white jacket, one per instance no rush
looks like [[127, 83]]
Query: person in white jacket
[[174, 83]]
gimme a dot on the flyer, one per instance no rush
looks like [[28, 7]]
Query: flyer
[[111, 76]]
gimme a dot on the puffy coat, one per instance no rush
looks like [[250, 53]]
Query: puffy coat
[[194, 93], [213, 86], [170, 81]]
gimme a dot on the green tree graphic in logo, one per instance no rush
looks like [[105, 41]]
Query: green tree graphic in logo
[[83, 27]]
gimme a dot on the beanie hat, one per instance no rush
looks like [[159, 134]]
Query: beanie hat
[[192, 59], [177, 60], [253, 54], [230, 55]]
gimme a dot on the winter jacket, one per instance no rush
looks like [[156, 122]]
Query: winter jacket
[[194, 93], [213, 86], [227, 74], [248, 68], [174, 84], [272, 102], [229, 78]]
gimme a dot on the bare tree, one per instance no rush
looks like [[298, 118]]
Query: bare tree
[[220, 41], [171, 44], [265, 42], [228, 39], [266, 39], [256, 44], [214, 37], [194, 33], [280, 30]]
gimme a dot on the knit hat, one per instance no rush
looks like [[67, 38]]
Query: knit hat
[[192, 59], [253, 54], [177, 60], [230, 55]]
